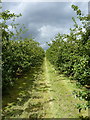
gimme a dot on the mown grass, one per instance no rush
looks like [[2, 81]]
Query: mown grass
[[42, 93], [64, 103]]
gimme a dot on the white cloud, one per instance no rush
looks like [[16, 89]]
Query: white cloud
[[47, 31]]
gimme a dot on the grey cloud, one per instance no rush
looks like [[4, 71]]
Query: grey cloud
[[44, 20], [48, 13], [7, 5]]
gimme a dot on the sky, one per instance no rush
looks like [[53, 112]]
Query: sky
[[44, 20]]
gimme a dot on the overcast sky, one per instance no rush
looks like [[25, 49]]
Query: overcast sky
[[45, 19]]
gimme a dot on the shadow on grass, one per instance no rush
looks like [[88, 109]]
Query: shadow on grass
[[20, 93], [24, 97], [84, 118]]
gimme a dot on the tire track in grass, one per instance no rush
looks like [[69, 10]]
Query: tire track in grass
[[49, 111]]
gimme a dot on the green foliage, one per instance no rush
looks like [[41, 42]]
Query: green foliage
[[83, 95], [18, 55], [70, 53]]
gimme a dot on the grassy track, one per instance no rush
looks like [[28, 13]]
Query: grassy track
[[42, 93]]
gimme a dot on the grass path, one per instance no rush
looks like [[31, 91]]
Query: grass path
[[42, 93]]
